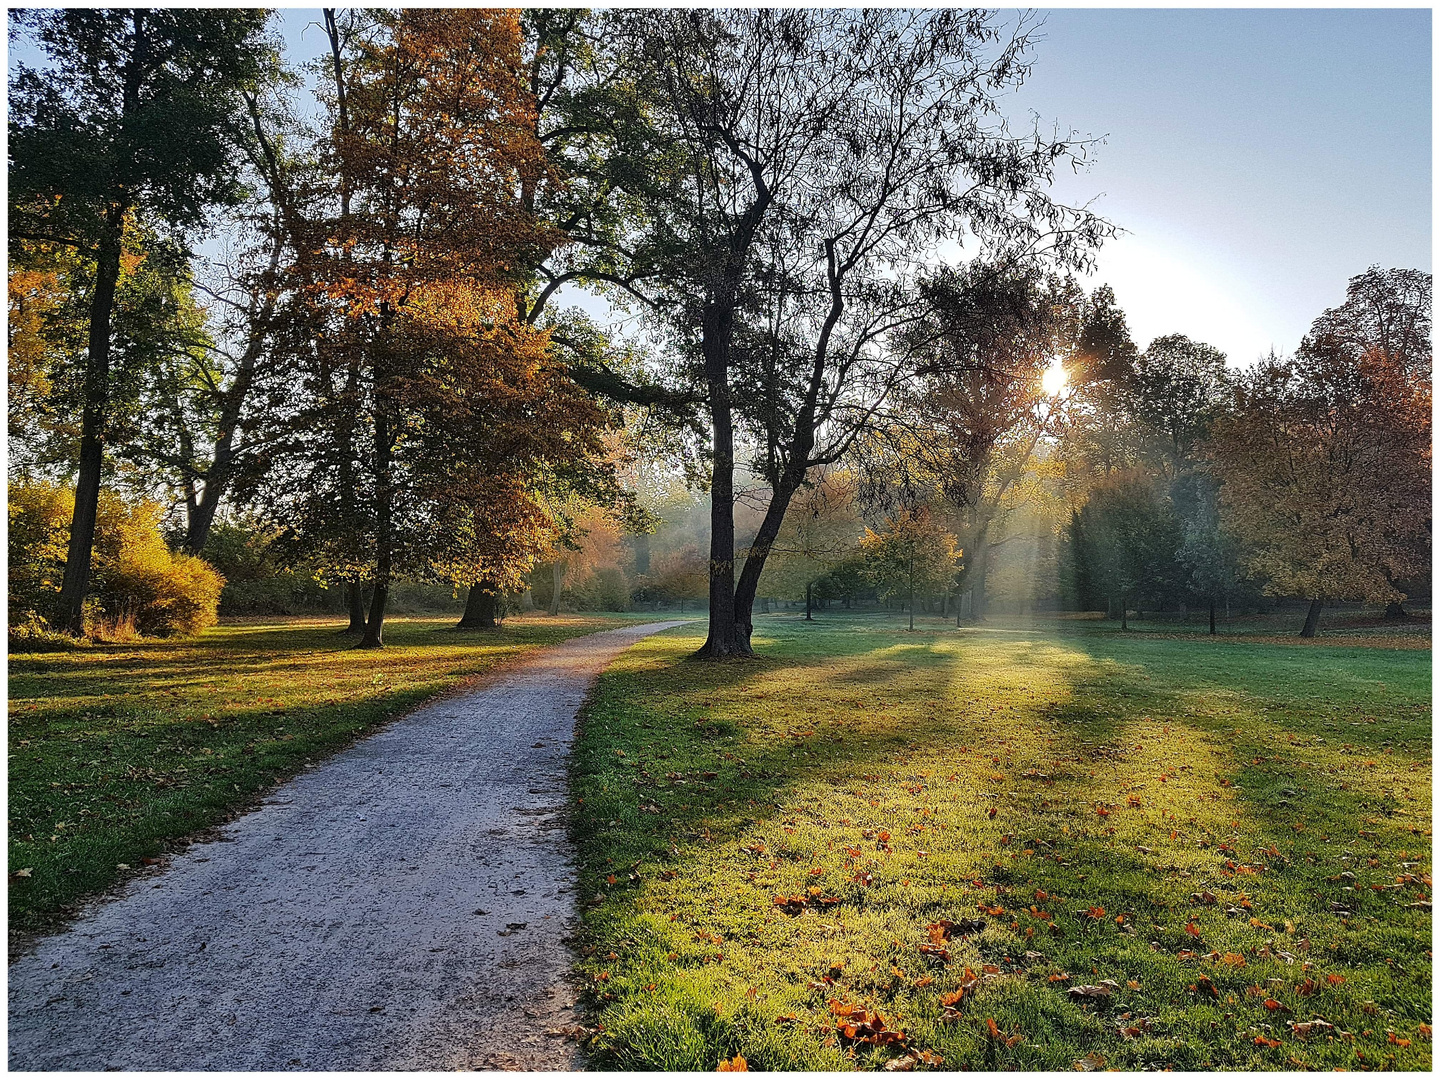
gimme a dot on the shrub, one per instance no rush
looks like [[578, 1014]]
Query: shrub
[[39, 519], [260, 579], [140, 586], [160, 592]]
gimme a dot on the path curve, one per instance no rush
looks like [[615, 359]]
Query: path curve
[[360, 919]]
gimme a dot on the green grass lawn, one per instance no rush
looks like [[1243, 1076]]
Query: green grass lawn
[[116, 752], [1189, 853]]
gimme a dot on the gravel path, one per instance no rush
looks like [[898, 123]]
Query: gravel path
[[403, 905]]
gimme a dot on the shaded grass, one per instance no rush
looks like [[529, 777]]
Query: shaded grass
[[116, 752], [1141, 775]]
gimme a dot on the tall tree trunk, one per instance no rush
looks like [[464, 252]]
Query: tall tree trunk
[[1312, 619], [910, 588], [1212, 616], [232, 405], [1395, 611], [384, 538], [760, 548], [480, 606], [557, 578], [808, 616], [355, 602], [1124, 611], [70, 609], [978, 603], [723, 639]]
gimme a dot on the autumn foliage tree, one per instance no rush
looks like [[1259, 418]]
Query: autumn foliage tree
[[1325, 462], [911, 550], [412, 276]]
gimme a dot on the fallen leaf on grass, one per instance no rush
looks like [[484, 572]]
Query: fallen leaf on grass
[[1091, 1062], [1143, 1026], [735, 1064], [859, 1025], [1102, 990], [999, 1036]]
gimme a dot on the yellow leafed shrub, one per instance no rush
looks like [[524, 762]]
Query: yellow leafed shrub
[[138, 584]]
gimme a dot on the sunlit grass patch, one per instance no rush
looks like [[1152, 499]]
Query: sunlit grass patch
[[117, 751], [773, 850]]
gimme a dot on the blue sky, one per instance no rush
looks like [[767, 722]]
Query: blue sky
[[1258, 158]]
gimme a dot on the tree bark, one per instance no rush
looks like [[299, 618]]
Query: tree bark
[[355, 602], [70, 612], [1312, 619], [1212, 616], [557, 579], [1395, 611], [374, 626], [480, 607], [808, 616], [723, 638], [1124, 612]]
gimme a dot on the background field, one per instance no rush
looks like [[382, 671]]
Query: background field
[[118, 751], [1230, 839]]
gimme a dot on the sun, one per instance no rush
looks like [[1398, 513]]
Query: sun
[[1054, 379]]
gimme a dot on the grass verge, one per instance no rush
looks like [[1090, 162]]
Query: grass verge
[[117, 752], [1021, 849]]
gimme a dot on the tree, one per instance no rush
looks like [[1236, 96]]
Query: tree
[[1208, 551], [214, 406], [814, 158], [468, 416], [1325, 466], [680, 575], [979, 410], [1384, 310], [1124, 542], [1172, 395], [127, 121], [821, 531], [911, 551]]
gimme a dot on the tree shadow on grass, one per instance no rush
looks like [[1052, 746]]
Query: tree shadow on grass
[[722, 761]]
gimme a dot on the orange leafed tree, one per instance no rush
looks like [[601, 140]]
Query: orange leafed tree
[[1325, 463], [449, 416]]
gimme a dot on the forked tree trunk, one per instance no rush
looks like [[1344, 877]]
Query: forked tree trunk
[[1312, 619]]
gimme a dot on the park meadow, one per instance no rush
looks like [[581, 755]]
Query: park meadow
[[1006, 690]]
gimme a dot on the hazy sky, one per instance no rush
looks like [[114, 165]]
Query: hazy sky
[[1257, 158]]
